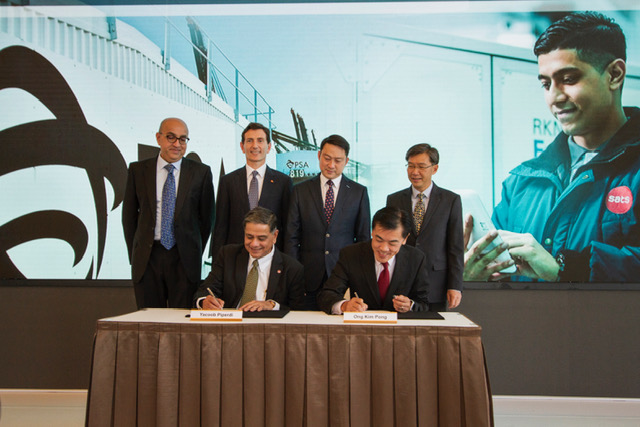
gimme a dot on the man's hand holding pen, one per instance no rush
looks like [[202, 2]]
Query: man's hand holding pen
[[211, 302]]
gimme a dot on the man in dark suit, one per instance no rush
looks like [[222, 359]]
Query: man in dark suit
[[239, 191], [382, 274], [255, 276], [437, 226], [166, 216], [327, 213]]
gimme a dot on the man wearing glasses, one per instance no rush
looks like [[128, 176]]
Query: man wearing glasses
[[166, 216], [436, 227]]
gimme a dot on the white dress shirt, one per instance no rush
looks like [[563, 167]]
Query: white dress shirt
[[426, 193], [324, 187], [337, 307]]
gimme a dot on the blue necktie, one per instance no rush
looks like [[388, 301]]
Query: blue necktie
[[167, 237]]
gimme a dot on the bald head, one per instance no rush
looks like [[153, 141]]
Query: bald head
[[172, 138]]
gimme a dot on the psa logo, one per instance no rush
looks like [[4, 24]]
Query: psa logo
[[619, 200]]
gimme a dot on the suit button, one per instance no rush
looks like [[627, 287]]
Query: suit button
[[326, 252], [327, 235]]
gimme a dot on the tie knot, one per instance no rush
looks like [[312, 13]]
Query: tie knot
[[254, 173], [255, 263], [169, 167], [385, 265], [420, 196], [330, 183]]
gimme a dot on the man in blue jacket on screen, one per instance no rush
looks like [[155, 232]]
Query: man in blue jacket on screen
[[572, 213]]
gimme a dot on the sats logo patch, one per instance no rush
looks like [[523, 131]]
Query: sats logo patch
[[619, 200]]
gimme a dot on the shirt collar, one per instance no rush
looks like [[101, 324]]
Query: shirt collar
[[161, 163], [391, 262], [336, 181], [576, 151], [265, 259], [261, 170], [426, 192]]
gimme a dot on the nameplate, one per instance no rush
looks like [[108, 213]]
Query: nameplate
[[370, 317], [217, 315]]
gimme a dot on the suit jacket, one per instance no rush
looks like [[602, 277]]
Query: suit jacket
[[192, 217], [229, 275], [440, 238], [356, 270], [317, 244], [232, 204]]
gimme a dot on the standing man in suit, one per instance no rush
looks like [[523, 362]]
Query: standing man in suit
[[255, 276], [382, 274], [437, 226], [166, 216], [327, 213], [255, 184]]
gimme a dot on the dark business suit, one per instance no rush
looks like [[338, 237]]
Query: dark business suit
[[317, 244], [232, 204], [229, 275], [440, 238], [356, 270], [192, 218]]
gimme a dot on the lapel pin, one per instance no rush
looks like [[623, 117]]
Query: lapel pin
[[272, 181], [279, 271]]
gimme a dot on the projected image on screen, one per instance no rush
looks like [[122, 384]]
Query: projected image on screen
[[461, 76]]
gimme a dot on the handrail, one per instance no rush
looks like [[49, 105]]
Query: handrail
[[253, 99]]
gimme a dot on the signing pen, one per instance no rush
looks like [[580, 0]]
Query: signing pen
[[211, 293]]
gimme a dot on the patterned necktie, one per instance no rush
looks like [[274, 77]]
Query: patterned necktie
[[253, 191], [328, 202], [418, 213], [251, 285], [167, 236], [383, 281]]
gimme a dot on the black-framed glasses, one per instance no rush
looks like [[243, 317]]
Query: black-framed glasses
[[172, 138], [411, 166]]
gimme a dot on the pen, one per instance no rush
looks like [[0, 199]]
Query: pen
[[356, 294], [211, 293]]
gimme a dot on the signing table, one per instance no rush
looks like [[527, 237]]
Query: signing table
[[155, 367]]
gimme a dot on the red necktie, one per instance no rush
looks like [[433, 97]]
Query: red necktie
[[383, 281]]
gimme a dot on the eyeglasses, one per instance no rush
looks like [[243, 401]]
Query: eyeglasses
[[411, 166], [172, 138]]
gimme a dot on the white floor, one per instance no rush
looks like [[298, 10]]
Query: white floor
[[66, 408]]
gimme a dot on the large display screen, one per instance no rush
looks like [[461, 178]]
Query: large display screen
[[84, 89]]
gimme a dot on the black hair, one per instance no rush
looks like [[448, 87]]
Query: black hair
[[597, 39], [390, 218], [260, 215], [338, 141], [257, 126], [427, 149]]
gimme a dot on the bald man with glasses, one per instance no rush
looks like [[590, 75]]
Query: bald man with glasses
[[166, 216]]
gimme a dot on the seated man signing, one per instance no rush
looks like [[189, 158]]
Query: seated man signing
[[382, 274], [255, 276]]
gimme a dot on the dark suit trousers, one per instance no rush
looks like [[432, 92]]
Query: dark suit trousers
[[438, 306], [164, 283]]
